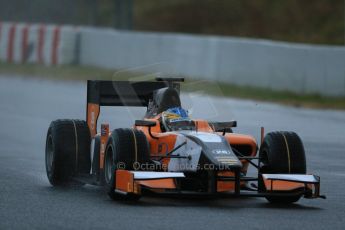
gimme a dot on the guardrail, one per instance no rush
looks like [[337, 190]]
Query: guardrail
[[298, 68]]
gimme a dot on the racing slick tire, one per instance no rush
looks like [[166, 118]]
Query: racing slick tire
[[67, 151], [126, 149], [281, 152]]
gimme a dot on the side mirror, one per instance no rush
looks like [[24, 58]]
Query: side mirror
[[145, 123], [223, 126]]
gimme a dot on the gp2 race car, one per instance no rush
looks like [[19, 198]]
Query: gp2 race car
[[169, 153]]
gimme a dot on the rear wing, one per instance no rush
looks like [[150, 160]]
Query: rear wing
[[122, 93]]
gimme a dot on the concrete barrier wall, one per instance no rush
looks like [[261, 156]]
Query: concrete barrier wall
[[275, 65], [253, 62]]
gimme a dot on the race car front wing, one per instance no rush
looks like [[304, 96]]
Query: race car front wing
[[168, 183]]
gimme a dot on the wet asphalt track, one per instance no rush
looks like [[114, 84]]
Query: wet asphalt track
[[27, 201]]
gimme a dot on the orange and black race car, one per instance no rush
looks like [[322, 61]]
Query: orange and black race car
[[167, 152]]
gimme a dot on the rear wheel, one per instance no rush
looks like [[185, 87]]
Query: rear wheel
[[67, 151], [281, 152], [126, 149]]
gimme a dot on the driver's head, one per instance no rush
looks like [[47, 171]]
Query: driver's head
[[176, 119], [176, 112]]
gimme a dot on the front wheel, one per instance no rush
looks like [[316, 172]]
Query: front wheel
[[125, 149], [281, 152]]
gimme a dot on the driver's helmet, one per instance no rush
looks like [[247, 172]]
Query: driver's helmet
[[177, 118]]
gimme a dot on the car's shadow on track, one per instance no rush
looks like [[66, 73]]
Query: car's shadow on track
[[295, 206], [218, 203]]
